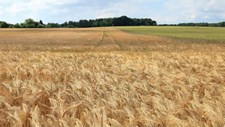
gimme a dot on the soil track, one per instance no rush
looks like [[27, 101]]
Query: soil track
[[107, 42], [92, 39]]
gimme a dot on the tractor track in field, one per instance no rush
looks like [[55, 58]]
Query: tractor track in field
[[107, 38], [101, 40], [114, 41]]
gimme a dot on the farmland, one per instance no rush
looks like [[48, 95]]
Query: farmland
[[213, 34], [107, 77]]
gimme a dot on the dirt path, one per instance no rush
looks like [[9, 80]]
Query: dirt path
[[107, 42]]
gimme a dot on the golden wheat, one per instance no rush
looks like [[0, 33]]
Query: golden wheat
[[112, 89], [162, 83]]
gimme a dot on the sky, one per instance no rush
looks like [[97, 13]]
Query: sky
[[163, 11]]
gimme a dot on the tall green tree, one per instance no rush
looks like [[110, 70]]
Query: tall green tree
[[30, 23], [3, 24], [17, 25], [84, 23], [41, 22]]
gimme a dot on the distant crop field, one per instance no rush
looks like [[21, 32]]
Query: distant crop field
[[103, 39], [199, 33], [104, 77]]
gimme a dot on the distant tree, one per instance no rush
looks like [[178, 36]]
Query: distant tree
[[41, 22], [154, 23], [17, 25], [65, 24], [84, 23], [41, 26], [72, 24], [22, 25], [3, 24], [92, 22], [213, 25], [95, 23], [53, 25], [29, 23], [122, 21], [222, 24]]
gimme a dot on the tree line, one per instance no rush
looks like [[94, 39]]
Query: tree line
[[220, 24], [102, 22], [204, 24]]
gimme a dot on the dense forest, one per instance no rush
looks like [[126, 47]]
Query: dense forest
[[117, 21]]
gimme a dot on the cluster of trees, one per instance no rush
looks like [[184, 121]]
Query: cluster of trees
[[120, 21], [3, 24], [220, 24], [117, 21], [30, 23]]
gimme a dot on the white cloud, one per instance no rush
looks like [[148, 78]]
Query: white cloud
[[36, 5], [170, 11], [1, 10], [18, 10], [195, 11], [117, 9], [124, 7]]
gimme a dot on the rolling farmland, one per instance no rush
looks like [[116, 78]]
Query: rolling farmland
[[100, 39], [207, 34], [106, 77]]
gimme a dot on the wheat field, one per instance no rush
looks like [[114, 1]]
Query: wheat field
[[102, 77]]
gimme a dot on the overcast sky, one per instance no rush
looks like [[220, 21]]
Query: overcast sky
[[163, 11]]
